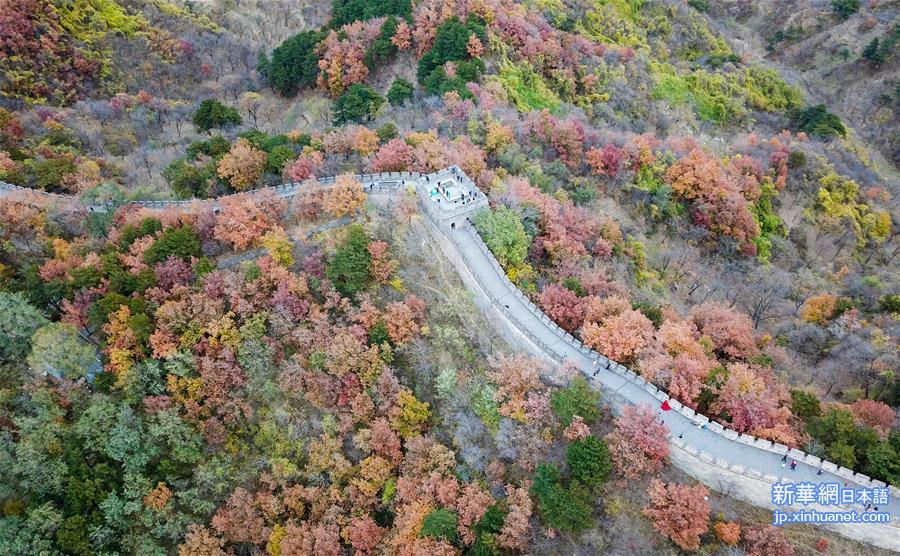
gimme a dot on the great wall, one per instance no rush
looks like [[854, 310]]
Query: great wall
[[739, 465]]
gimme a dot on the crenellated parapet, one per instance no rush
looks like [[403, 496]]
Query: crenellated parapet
[[431, 189]]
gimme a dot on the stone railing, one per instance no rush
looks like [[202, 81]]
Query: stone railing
[[382, 183], [574, 345]]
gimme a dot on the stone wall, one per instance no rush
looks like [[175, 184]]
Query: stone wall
[[628, 374], [733, 479], [385, 183]]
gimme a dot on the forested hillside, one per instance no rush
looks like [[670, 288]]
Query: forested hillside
[[843, 52], [705, 191]]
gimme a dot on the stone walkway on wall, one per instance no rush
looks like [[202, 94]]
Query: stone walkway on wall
[[743, 470], [738, 465]]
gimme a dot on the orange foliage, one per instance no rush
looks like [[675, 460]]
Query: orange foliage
[[158, 497], [729, 532], [819, 308], [720, 203], [364, 141], [404, 319], [7, 164], [342, 55], [243, 220], [345, 197], [381, 266], [242, 166], [199, 541], [680, 337], [599, 308], [239, 521], [577, 429], [402, 38], [515, 377], [474, 46], [620, 337], [86, 176]]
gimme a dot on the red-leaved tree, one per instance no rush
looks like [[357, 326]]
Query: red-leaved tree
[[304, 168], [638, 444], [239, 521], [680, 512], [606, 160], [394, 156], [731, 332], [514, 534], [719, 202], [381, 265], [754, 405], [243, 220], [364, 534], [563, 306], [766, 540], [877, 415]]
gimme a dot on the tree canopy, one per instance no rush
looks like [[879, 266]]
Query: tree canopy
[[817, 120], [213, 114], [18, 321], [348, 11], [57, 349], [294, 63], [588, 461], [504, 234], [348, 268], [359, 104], [401, 90]]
